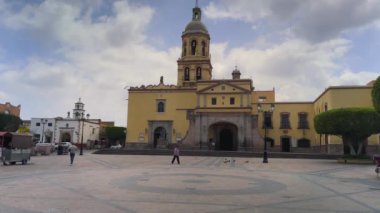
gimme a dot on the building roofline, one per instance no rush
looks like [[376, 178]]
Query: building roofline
[[295, 102], [341, 87], [162, 89]]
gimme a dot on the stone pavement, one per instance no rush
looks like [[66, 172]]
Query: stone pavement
[[134, 183]]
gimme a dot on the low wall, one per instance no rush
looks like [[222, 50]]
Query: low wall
[[215, 153]]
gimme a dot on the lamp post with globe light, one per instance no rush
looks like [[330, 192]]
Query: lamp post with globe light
[[81, 141], [267, 123]]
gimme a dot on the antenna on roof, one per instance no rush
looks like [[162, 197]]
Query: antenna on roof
[[196, 3]]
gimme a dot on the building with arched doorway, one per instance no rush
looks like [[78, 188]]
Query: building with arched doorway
[[200, 112], [76, 128]]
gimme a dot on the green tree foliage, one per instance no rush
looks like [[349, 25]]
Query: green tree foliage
[[9, 123], [23, 129], [376, 94], [354, 125], [114, 134]]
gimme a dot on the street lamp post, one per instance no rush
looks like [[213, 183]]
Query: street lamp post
[[81, 140], [43, 122], [266, 125]]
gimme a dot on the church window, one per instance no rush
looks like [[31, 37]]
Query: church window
[[285, 123], [50, 124], [199, 73], [38, 124], [193, 46], [187, 74], [302, 121], [161, 106], [267, 120], [203, 48], [213, 101], [232, 101]]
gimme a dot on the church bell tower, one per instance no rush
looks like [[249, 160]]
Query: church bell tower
[[194, 64]]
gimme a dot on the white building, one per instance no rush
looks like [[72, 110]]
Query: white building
[[76, 129]]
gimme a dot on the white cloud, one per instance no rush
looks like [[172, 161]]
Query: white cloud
[[73, 27], [307, 53], [101, 57], [104, 54], [308, 19], [349, 77], [298, 70]]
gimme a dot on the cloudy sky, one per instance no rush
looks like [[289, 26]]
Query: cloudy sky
[[53, 52]]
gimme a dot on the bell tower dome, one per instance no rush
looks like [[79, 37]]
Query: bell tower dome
[[194, 64]]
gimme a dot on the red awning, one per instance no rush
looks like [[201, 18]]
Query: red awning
[[5, 134]]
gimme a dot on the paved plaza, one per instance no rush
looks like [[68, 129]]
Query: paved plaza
[[135, 183]]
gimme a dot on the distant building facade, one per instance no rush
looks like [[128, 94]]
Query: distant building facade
[[8, 108], [76, 129], [223, 114]]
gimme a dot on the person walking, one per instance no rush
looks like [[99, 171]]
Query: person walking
[[72, 150], [175, 154]]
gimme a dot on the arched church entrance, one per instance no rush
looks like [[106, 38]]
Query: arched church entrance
[[159, 136], [223, 136], [66, 137], [226, 140]]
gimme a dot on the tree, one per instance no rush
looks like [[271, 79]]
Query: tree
[[376, 94], [23, 129], [354, 125], [114, 134], [9, 123]]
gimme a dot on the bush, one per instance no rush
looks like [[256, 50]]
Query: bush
[[376, 94]]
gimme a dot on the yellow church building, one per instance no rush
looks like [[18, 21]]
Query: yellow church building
[[205, 113]]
